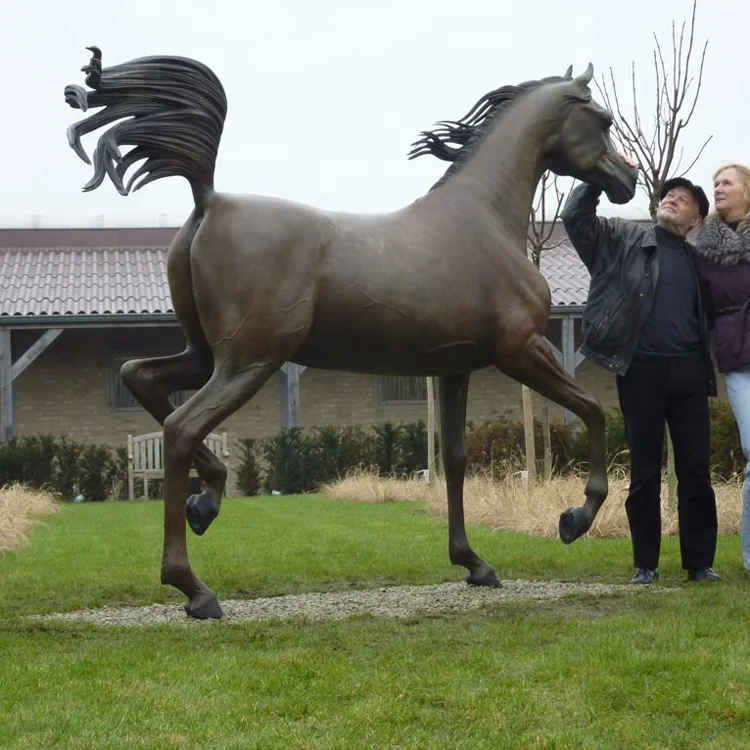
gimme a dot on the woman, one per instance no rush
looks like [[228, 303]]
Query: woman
[[723, 262]]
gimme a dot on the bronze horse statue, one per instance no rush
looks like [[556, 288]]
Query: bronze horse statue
[[441, 287]]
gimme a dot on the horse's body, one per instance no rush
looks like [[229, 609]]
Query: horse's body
[[441, 287], [374, 294]]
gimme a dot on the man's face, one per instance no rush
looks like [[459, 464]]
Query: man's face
[[678, 211]]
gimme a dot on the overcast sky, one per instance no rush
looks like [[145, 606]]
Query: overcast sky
[[326, 97]]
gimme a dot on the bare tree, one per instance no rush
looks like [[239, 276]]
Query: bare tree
[[677, 89], [676, 93], [542, 221], [540, 237]]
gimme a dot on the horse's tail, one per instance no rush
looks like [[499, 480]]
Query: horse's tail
[[176, 109]]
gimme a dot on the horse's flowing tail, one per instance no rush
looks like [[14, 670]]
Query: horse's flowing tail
[[176, 109]]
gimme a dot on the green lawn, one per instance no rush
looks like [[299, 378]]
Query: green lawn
[[656, 671]]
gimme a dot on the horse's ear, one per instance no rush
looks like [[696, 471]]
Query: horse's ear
[[584, 79], [569, 72]]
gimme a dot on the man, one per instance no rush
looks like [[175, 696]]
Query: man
[[645, 321]]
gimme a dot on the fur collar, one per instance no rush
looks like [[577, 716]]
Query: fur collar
[[716, 242]]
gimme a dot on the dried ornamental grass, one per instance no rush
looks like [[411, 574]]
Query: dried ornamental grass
[[532, 508], [368, 487], [19, 506]]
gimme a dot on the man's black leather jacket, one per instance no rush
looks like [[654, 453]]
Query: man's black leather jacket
[[621, 258]]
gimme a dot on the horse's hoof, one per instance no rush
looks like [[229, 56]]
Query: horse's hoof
[[204, 608], [574, 522], [201, 511], [486, 578]]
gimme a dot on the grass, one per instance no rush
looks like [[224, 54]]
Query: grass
[[654, 670]]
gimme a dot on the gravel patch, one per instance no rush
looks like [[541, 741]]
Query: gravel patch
[[394, 602]]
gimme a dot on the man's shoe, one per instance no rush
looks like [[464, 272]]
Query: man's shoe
[[645, 575], [703, 574]]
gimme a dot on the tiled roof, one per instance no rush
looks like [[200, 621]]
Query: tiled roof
[[84, 281], [122, 280], [566, 275]]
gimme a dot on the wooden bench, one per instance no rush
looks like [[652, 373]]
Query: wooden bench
[[145, 457]]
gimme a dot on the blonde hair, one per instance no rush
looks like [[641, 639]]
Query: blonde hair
[[743, 173]]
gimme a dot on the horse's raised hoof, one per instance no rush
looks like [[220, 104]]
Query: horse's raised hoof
[[485, 578], [204, 608], [201, 511], [574, 522]]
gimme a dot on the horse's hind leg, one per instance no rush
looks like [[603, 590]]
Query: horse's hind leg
[[185, 429], [151, 381], [454, 391], [535, 366]]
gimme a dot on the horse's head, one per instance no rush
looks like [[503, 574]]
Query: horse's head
[[582, 147]]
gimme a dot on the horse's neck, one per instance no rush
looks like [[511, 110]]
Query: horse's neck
[[505, 169]]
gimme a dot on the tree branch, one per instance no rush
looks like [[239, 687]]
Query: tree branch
[[541, 227], [676, 93]]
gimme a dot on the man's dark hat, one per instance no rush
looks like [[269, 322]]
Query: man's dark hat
[[696, 190]]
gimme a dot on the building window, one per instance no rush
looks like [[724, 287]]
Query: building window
[[401, 389], [121, 399]]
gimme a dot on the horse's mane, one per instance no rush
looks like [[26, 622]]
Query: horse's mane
[[456, 140]]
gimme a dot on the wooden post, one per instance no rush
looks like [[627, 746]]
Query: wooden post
[[283, 398], [569, 356], [7, 406], [131, 488], [10, 371], [293, 389], [35, 350], [528, 429], [430, 431], [289, 393], [438, 428], [547, 441]]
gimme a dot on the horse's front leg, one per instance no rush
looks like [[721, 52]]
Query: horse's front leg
[[534, 365], [454, 391]]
